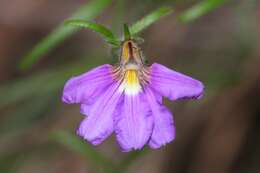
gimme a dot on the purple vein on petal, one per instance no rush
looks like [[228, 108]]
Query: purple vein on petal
[[99, 123], [87, 86], [133, 123], [174, 85], [163, 130]]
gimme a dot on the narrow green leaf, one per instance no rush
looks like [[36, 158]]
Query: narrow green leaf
[[123, 165], [200, 9], [13, 159], [87, 12], [25, 115], [8, 162], [75, 144], [127, 34], [105, 32], [23, 88], [150, 19]]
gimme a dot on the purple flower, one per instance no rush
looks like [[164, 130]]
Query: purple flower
[[127, 99]]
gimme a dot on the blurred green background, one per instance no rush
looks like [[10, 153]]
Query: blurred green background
[[215, 41]]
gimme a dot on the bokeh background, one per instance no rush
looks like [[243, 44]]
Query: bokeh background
[[215, 41]]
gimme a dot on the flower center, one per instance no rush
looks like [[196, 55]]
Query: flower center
[[131, 72], [130, 83]]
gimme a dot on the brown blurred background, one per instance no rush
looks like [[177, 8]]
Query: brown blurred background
[[217, 134]]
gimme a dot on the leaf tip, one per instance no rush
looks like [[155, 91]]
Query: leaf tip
[[127, 34]]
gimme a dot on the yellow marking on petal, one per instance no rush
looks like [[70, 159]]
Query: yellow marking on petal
[[131, 84], [131, 77]]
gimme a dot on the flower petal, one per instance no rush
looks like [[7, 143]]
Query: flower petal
[[133, 122], [86, 87], [99, 123], [174, 85], [163, 130]]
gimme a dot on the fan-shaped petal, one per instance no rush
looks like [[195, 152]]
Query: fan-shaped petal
[[174, 85]]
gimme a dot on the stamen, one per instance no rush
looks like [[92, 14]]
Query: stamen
[[130, 53], [130, 47]]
